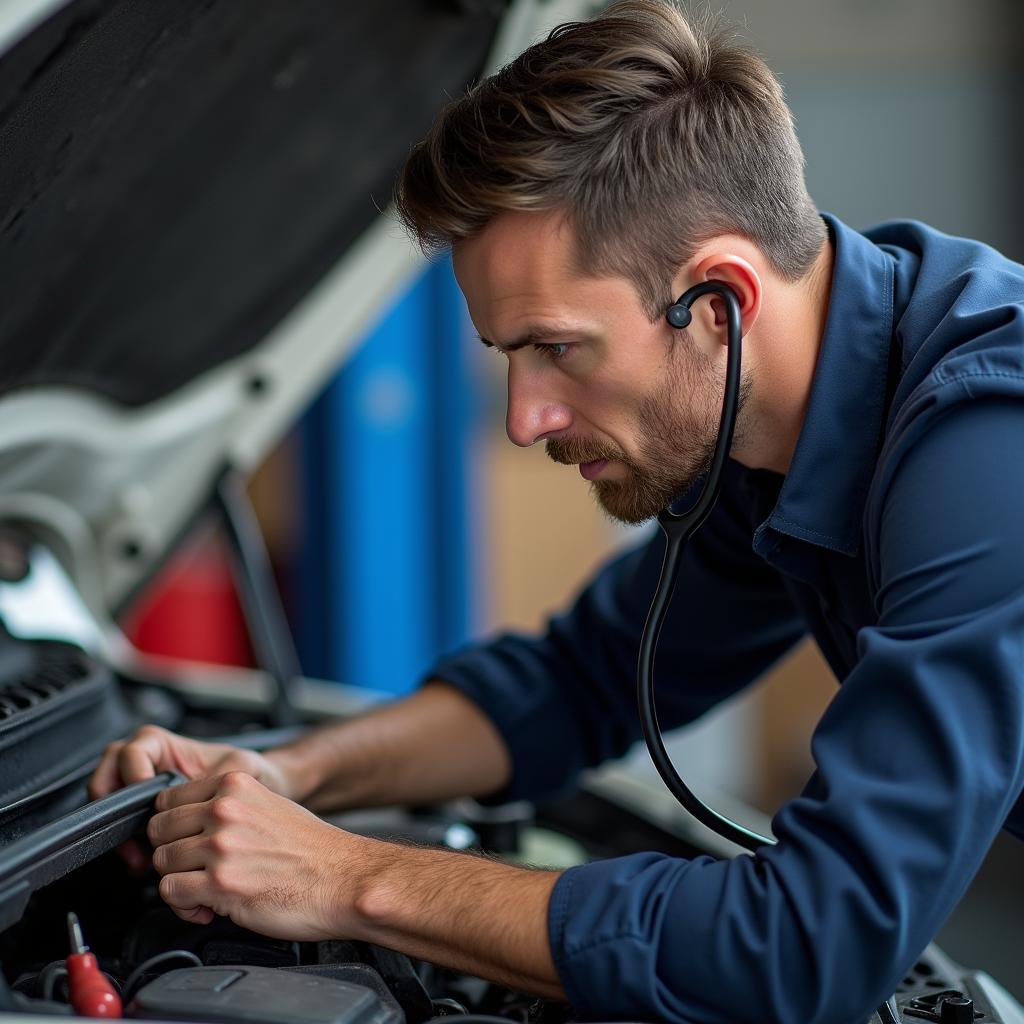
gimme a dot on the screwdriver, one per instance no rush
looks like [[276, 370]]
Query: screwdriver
[[92, 995]]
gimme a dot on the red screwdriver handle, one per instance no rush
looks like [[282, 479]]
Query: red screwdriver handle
[[92, 995]]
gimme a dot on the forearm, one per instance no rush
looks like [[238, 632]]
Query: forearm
[[433, 745], [461, 911]]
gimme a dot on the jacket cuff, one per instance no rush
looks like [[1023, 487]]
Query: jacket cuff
[[606, 926]]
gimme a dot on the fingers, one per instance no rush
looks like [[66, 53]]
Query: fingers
[[189, 854], [126, 761], [153, 750], [178, 823], [202, 790], [107, 776], [197, 915], [183, 894], [142, 758]]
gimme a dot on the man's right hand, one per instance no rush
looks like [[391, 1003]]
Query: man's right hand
[[433, 745], [153, 750]]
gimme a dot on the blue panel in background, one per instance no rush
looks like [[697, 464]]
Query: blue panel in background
[[386, 580]]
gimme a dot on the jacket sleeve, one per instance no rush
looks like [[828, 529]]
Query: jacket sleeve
[[566, 700], [919, 761]]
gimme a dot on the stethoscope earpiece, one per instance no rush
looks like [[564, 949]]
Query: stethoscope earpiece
[[678, 315]]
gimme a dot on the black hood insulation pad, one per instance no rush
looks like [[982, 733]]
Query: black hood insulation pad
[[176, 175]]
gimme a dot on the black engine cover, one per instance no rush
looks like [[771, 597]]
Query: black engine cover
[[260, 995]]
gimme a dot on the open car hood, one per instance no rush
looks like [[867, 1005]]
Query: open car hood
[[191, 239]]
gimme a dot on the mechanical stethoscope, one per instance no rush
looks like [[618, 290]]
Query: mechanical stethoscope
[[678, 528]]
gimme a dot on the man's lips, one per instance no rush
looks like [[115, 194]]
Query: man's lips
[[591, 470]]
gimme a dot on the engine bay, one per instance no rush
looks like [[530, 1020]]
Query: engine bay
[[64, 858], [164, 968]]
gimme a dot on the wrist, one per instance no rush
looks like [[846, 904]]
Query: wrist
[[297, 773], [366, 892]]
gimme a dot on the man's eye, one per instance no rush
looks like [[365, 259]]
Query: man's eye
[[555, 351]]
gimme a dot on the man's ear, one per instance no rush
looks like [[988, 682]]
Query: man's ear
[[740, 275]]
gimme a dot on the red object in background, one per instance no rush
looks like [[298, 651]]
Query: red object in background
[[191, 609]]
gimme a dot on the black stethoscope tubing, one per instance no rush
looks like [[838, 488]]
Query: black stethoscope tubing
[[678, 528]]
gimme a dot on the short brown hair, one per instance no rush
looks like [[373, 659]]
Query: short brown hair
[[650, 131]]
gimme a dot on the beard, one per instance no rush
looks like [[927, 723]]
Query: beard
[[675, 446]]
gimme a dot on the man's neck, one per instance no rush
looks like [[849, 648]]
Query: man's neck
[[789, 334]]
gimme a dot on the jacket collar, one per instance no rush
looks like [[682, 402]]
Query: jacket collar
[[823, 495]]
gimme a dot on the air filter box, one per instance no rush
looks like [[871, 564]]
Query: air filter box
[[262, 995]]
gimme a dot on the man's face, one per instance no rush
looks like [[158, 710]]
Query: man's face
[[634, 404]]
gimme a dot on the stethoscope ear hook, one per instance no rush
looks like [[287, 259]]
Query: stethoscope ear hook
[[678, 527]]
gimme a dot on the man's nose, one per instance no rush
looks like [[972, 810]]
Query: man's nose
[[534, 411]]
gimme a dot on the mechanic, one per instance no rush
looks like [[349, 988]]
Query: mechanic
[[874, 497]]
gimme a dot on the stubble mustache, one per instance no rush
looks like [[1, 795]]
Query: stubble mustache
[[571, 451]]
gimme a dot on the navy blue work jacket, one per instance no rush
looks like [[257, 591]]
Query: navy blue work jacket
[[897, 539]]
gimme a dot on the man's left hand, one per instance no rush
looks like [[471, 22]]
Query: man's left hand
[[227, 845]]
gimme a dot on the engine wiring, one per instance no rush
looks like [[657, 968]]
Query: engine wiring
[[46, 980], [131, 985]]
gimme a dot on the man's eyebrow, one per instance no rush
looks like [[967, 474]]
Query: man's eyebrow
[[536, 335]]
